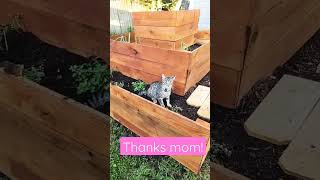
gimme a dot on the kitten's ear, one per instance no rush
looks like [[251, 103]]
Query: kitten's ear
[[163, 77]]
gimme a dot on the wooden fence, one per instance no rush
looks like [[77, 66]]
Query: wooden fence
[[120, 15]]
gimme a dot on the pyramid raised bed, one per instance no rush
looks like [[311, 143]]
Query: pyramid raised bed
[[148, 63], [166, 29]]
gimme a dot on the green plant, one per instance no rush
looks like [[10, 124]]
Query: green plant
[[176, 109], [130, 29], [138, 86], [184, 46], [154, 4], [168, 4], [34, 73], [90, 77]]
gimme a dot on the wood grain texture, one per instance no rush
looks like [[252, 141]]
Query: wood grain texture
[[204, 111], [64, 115], [173, 58], [79, 11], [149, 63], [276, 36], [179, 44], [166, 25], [31, 150], [302, 156], [257, 38], [150, 120], [76, 37], [165, 18], [198, 96], [203, 35], [282, 113], [149, 67], [178, 88], [166, 33], [231, 21], [226, 86]]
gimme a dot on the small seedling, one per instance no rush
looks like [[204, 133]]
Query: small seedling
[[90, 77], [176, 109], [138, 86], [120, 84], [34, 73], [184, 46]]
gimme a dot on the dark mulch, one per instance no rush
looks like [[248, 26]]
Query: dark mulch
[[176, 100], [193, 47], [25, 48], [249, 156]]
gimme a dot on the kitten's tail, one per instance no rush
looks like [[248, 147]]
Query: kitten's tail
[[142, 93]]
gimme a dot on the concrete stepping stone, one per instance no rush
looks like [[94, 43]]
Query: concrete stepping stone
[[198, 96], [282, 113], [302, 157], [204, 110]]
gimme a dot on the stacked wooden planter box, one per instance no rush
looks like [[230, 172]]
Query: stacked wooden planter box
[[147, 59], [75, 25], [166, 29], [259, 36], [45, 135], [155, 54]]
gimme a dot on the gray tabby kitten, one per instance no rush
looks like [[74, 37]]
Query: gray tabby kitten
[[160, 90]]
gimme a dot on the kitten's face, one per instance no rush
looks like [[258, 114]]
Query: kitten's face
[[168, 81]]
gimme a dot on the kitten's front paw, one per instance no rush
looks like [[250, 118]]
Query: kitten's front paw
[[169, 105]]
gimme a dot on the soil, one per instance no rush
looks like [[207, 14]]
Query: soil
[[246, 155], [27, 49], [193, 47], [176, 100]]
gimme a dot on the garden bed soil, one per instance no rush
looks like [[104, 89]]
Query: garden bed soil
[[25, 48], [249, 156], [193, 47], [176, 100]]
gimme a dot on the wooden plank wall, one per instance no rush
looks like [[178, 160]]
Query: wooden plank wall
[[43, 133], [149, 120], [166, 25], [70, 25], [259, 36], [278, 29], [148, 63]]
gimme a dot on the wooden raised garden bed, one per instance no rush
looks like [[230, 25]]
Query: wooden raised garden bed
[[45, 135], [259, 36], [150, 120], [66, 24], [166, 29], [148, 63]]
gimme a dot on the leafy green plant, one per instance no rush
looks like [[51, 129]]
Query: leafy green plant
[[138, 86], [177, 109], [90, 77], [34, 73], [168, 4], [130, 29], [164, 4]]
